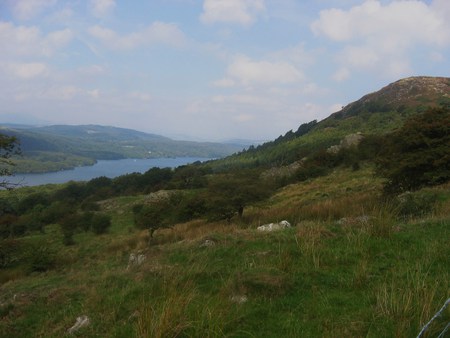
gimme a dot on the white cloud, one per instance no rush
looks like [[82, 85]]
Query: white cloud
[[225, 83], [246, 72], [100, 8], [157, 32], [28, 9], [95, 93], [140, 96], [341, 74], [379, 37], [398, 23], [25, 70], [242, 12], [241, 118], [29, 41]]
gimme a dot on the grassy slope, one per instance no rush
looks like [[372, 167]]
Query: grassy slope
[[380, 278]]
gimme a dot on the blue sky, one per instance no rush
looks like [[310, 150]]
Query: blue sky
[[210, 69]]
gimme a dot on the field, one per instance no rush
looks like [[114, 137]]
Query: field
[[352, 265]]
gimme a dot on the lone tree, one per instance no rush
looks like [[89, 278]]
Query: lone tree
[[9, 146]]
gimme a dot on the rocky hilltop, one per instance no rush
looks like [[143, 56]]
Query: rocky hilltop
[[409, 93]]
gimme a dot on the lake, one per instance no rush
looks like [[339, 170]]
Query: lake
[[109, 168]]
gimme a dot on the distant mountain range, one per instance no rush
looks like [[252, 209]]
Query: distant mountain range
[[57, 147]]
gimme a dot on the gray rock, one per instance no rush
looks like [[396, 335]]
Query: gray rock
[[240, 299], [208, 243], [274, 226], [135, 260], [81, 322]]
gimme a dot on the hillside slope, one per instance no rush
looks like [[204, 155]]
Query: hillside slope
[[374, 114]]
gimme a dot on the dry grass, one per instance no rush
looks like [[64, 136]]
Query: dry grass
[[408, 302], [344, 193], [309, 239], [193, 231], [168, 316]]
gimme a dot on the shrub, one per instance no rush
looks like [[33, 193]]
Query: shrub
[[417, 155], [151, 216], [9, 252], [100, 223], [40, 257], [415, 204]]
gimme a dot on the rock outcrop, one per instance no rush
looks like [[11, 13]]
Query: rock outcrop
[[274, 226], [81, 322]]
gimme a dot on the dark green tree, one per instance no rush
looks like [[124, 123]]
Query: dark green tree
[[228, 195], [100, 223], [417, 154], [9, 146]]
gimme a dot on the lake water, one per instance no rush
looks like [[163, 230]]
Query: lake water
[[110, 168]]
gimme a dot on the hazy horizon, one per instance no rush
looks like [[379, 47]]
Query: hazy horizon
[[211, 69]]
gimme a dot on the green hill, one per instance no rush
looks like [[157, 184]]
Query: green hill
[[61, 147], [374, 114]]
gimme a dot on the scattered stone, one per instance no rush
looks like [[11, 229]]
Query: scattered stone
[[284, 171], [208, 243], [135, 260], [348, 141], [239, 299], [274, 226], [81, 322]]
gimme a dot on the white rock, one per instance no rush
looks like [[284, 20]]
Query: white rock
[[274, 226], [135, 260], [239, 299], [208, 243], [81, 322]]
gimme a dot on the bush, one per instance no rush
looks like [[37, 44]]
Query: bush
[[415, 204], [151, 216], [40, 257], [417, 155], [100, 223], [68, 226], [9, 252]]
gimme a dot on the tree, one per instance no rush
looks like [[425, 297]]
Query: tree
[[228, 195], [417, 154], [9, 146], [100, 223]]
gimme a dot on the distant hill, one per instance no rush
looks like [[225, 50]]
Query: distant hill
[[374, 114], [98, 133], [59, 147]]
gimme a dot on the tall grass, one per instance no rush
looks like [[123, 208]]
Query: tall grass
[[309, 238], [167, 316], [408, 301]]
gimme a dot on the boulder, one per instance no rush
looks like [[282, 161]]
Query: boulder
[[274, 226], [208, 243], [351, 140], [135, 260], [240, 299], [81, 322]]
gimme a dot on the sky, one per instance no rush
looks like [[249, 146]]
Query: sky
[[210, 69]]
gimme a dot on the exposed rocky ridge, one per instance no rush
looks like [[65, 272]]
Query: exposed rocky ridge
[[411, 92]]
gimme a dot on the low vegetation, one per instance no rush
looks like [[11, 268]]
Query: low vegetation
[[344, 269], [177, 253]]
